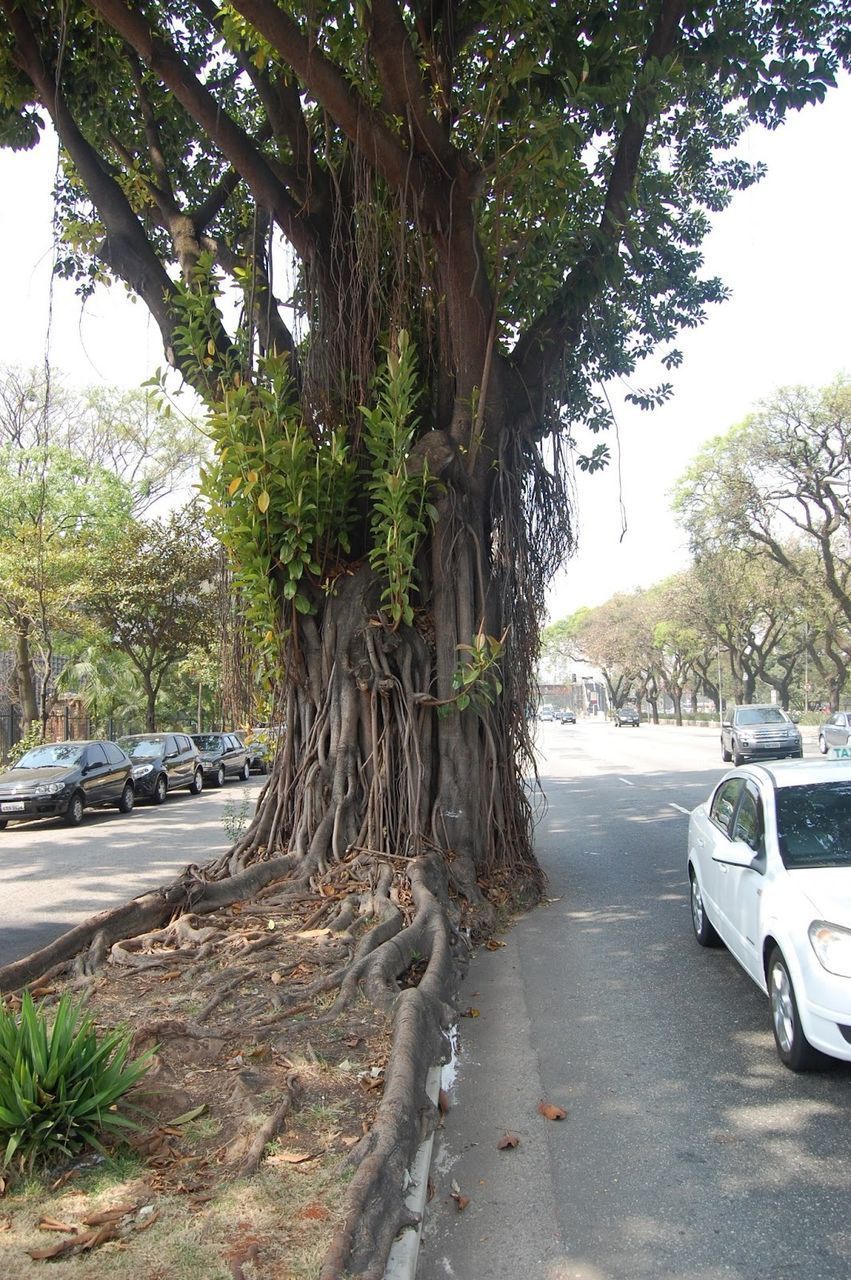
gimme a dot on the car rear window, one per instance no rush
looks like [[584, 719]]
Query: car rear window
[[814, 824]]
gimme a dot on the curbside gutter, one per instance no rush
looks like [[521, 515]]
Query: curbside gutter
[[402, 1262]]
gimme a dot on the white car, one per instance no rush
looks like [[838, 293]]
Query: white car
[[769, 861]]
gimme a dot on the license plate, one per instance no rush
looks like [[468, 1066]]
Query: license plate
[[12, 806]]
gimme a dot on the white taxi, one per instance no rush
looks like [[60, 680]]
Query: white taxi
[[769, 863]]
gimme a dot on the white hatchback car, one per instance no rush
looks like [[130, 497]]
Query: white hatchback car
[[769, 861]]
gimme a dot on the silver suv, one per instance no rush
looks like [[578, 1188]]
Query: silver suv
[[759, 731]]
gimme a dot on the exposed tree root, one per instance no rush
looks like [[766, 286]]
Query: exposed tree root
[[269, 1129]]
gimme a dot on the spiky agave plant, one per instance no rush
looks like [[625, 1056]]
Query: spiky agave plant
[[60, 1084]]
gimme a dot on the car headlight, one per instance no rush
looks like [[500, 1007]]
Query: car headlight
[[50, 788], [832, 945], [744, 740], [140, 770]]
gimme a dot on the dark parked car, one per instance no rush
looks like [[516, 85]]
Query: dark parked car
[[62, 779], [835, 732], [627, 715], [222, 756], [567, 716], [260, 743], [759, 730], [162, 762]]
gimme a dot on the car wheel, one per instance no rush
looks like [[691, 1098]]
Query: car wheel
[[822, 745], [704, 930], [127, 798], [738, 758], [3, 822], [246, 772], [794, 1048], [219, 780], [160, 790], [196, 786], [726, 755], [74, 812], [262, 767]]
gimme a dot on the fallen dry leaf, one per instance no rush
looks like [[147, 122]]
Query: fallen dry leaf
[[76, 1243], [493, 944], [508, 1141], [53, 1224], [443, 1102], [551, 1111], [171, 975], [470, 1013], [461, 1201], [295, 1157], [115, 1214]]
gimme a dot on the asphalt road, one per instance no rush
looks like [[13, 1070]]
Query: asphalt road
[[688, 1151], [52, 876]]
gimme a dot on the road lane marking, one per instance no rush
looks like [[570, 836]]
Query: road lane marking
[[678, 806], [626, 781]]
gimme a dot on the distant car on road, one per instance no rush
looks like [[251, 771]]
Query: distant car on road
[[759, 730], [63, 779], [769, 862], [260, 743], [567, 716], [627, 715], [546, 711], [835, 732], [163, 762], [222, 756]]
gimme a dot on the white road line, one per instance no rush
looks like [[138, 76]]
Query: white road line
[[626, 781], [678, 806]]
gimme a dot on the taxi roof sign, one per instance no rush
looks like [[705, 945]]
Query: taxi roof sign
[[839, 753]]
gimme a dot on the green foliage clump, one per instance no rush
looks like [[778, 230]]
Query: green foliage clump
[[33, 736], [400, 512], [60, 1086]]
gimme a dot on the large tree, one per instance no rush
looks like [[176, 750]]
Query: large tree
[[489, 209]]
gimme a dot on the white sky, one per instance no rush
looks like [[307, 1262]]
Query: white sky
[[782, 247]]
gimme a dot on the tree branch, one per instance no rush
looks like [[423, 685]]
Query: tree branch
[[539, 350], [234, 143], [126, 248], [374, 141]]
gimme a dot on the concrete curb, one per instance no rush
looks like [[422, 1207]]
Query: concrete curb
[[402, 1263]]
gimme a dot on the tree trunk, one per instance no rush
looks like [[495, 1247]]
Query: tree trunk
[[150, 704], [24, 679], [371, 765]]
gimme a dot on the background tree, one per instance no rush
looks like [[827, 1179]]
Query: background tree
[[155, 598], [54, 511]]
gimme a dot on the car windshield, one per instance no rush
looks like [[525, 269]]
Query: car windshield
[[208, 741], [142, 746], [66, 753], [814, 825], [761, 715]]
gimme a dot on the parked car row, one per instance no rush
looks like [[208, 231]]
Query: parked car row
[[63, 779]]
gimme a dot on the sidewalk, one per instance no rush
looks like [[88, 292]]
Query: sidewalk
[[509, 1228]]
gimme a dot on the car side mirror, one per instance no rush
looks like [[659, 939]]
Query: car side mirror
[[736, 854], [795, 717], [726, 724]]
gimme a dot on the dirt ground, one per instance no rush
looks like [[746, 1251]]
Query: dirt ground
[[250, 1113]]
